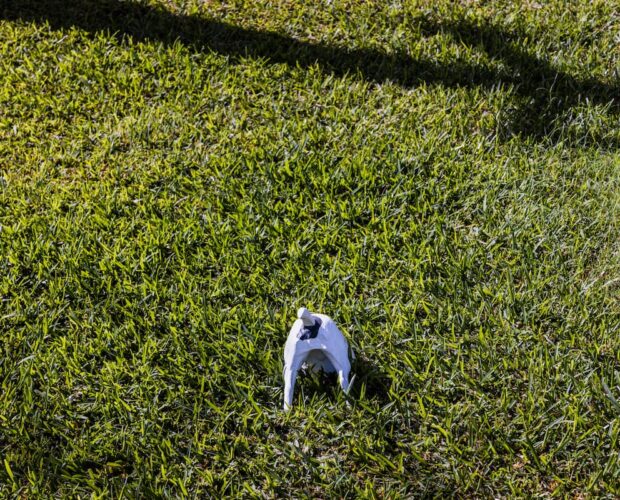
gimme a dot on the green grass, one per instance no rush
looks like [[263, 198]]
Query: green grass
[[176, 178]]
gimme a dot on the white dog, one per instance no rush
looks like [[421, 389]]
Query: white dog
[[314, 342]]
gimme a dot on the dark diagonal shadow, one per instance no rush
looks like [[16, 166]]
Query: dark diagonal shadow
[[545, 92]]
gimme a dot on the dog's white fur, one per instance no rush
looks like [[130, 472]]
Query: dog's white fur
[[328, 351]]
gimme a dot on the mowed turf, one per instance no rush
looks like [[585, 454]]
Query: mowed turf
[[178, 177]]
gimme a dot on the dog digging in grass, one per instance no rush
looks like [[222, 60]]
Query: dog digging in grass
[[316, 343]]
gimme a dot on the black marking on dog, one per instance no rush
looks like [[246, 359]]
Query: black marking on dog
[[310, 332]]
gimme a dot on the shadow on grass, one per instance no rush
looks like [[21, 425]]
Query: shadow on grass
[[546, 93], [370, 383]]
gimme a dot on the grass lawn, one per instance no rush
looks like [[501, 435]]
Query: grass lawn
[[178, 177]]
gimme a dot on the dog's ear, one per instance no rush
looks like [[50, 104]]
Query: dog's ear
[[306, 316]]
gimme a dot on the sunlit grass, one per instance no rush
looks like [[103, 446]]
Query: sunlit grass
[[176, 178]]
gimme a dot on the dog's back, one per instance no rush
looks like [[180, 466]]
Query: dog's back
[[315, 342]]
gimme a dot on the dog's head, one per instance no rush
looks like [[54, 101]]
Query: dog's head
[[311, 324]]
